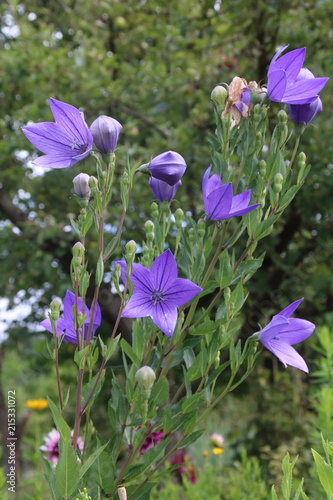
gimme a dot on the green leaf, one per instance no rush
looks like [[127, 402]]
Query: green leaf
[[112, 347], [99, 270], [191, 402], [248, 268], [79, 356], [160, 391], [206, 328], [288, 197], [103, 471], [63, 428], [191, 438], [325, 473], [91, 459], [265, 227], [88, 388], [273, 494], [142, 493], [50, 476], [130, 353], [67, 470], [224, 275]]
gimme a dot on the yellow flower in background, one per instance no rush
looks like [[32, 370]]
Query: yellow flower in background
[[218, 451], [37, 404], [205, 453]]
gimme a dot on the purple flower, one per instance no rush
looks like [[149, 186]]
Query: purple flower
[[158, 292], [66, 325], [168, 167], [282, 332], [105, 131], [162, 190], [218, 200], [244, 103], [304, 113], [64, 142], [51, 445], [151, 440], [283, 85]]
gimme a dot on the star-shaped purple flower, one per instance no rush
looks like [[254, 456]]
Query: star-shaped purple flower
[[218, 200], [65, 325], [158, 292], [282, 332], [64, 142], [283, 85]]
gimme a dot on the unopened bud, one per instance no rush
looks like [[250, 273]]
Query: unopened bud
[[81, 185], [105, 131], [150, 231], [145, 378], [278, 183], [55, 309], [302, 157], [219, 95], [191, 235], [154, 210], [179, 217], [130, 248], [93, 183], [201, 228], [262, 168], [78, 250], [282, 116]]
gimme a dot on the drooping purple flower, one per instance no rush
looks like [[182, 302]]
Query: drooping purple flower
[[64, 142], [219, 201], [282, 332], [168, 167], [66, 325], [283, 85], [244, 104], [304, 113], [105, 131], [158, 292], [51, 445], [161, 190]]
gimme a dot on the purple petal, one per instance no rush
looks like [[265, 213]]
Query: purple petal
[[272, 329], [209, 184], [168, 167], [305, 113], [218, 203], [297, 331], [241, 201], [277, 83], [291, 63], [244, 211], [278, 53], [69, 302], [287, 355], [71, 120], [49, 138], [304, 91], [46, 323], [165, 317], [180, 292], [54, 161], [162, 190], [205, 181], [289, 310], [140, 277], [139, 306], [163, 271]]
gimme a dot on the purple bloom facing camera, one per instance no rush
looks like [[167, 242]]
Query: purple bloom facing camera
[[168, 167], [282, 332], [64, 142], [304, 113], [219, 201], [158, 292], [65, 325], [105, 131], [283, 84], [161, 190]]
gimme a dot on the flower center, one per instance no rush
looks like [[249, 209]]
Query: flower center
[[157, 297], [81, 147], [276, 338]]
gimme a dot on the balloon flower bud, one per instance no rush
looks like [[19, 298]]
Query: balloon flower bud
[[130, 248], [168, 167], [81, 185], [145, 378], [105, 131], [55, 309], [161, 190], [278, 183], [219, 95]]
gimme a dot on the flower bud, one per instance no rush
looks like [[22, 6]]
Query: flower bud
[[168, 167], [282, 116], [161, 190], [219, 95], [105, 131], [78, 250], [262, 168], [81, 185], [179, 217], [150, 231], [145, 378], [191, 236], [278, 183], [93, 183], [130, 248], [55, 309], [154, 210], [201, 228]]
